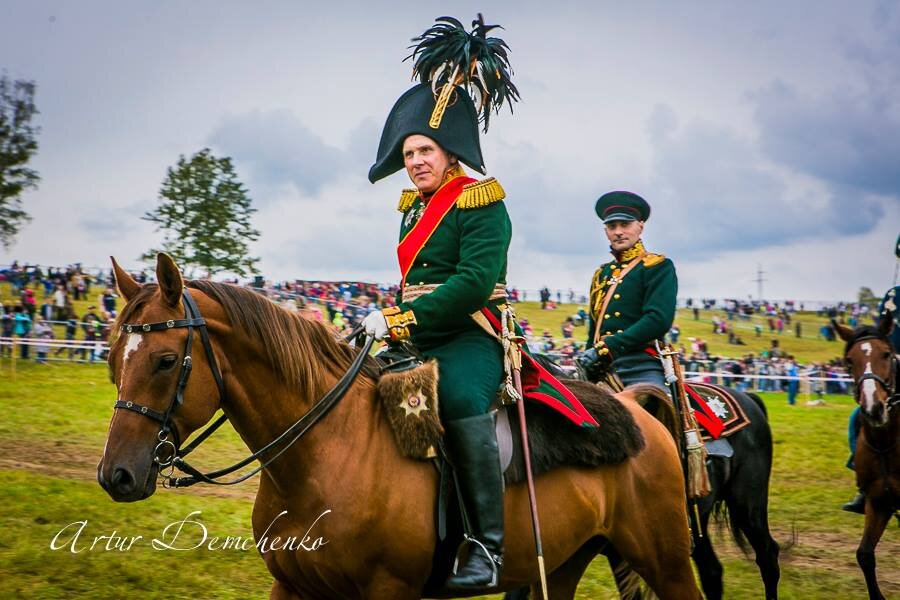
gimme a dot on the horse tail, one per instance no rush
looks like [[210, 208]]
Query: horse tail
[[759, 403], [721, 515], [656, 401]]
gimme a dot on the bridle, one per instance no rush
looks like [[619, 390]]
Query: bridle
[[172, 447], [889, 386]]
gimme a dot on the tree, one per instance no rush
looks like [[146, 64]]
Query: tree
[[867, 297], [204, 212], [18, 143]]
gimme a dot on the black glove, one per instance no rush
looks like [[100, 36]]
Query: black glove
[[595, 363]]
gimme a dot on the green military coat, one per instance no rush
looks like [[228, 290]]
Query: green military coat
[[465, 254], [642, 306]]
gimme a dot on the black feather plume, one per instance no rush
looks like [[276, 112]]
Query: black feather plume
[[447, 53]]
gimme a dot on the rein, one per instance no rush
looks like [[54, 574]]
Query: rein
[[297, 430]]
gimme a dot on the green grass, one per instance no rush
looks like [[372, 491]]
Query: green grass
[[40, 507], [53, 423]]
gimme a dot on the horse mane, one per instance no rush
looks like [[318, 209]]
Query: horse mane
[[298, 350]]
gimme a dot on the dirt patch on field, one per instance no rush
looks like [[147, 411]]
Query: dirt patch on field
[[828, 551], [72, 461]]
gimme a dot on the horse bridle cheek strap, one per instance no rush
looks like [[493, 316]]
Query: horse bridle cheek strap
[[192, 320]]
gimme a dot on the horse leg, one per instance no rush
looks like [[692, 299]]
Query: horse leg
[[661, 561], [280, 591], [623, 574], [865, 555], [753, 520], [562, 583], [708, 566]]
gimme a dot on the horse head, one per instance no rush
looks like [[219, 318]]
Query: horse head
[[152, 357], [873, 365]]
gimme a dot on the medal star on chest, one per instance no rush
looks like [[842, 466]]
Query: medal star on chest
[[413, 216]]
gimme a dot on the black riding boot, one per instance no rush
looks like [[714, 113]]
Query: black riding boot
[[857, 505], [472, 443]]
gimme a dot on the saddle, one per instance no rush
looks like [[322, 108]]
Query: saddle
[[407, 390]]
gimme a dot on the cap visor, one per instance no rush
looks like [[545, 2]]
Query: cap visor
[[619, 217]]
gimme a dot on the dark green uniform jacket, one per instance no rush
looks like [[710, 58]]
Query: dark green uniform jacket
[[466, 253], [642, 307]]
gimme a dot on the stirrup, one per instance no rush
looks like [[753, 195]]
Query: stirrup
[[496, 561]]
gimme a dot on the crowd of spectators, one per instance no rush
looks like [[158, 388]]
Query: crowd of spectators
[[43, 298]]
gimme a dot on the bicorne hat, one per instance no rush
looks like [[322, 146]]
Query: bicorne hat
[[451, 63], [456, 131]]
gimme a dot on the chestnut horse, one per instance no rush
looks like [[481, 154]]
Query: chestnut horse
[[380, 534], [875, 368]]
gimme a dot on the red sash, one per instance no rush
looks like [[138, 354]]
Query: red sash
[[435, 211]]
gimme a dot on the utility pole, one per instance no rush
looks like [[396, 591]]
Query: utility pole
[[759, 281]]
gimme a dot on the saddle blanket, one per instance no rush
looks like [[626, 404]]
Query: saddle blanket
[[718, 412]]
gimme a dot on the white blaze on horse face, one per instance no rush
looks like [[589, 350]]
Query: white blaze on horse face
[[131, 344], [868, 389], [867, 348]]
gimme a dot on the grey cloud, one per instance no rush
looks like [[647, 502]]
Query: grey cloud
[[363, 144], [662, 122], [113, 224], [277, 149], [845, 138], [551, 213], [713, 192]]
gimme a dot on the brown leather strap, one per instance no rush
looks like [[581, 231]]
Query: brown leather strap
[[609, 294]]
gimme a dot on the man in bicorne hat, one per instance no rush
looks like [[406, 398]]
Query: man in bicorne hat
[[454, 236], [632, 297]]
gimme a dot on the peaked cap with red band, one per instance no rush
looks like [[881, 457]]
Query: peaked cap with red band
[[622, 206]]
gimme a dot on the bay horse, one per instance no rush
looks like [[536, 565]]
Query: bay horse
[[875, 368], [739, 494], [380, 536]]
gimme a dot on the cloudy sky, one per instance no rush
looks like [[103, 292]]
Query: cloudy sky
[[764, 134]]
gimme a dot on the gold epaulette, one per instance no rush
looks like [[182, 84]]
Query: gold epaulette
[[651, 260], [481, 193], [407, 197]]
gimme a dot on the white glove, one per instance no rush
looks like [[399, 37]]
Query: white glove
[[376, 325]]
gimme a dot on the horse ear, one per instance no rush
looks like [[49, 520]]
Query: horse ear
[[845, 333], [171, 285], [885, 324], [125, 283]]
